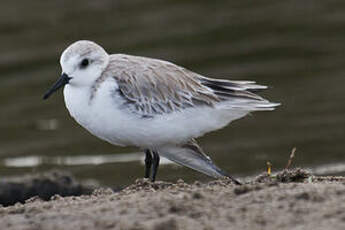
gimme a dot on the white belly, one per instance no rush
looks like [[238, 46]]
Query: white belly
[[105, 118]]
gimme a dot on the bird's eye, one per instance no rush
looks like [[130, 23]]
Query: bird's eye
[[84, 63]]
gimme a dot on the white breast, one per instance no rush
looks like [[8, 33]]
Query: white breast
[[101, 115]]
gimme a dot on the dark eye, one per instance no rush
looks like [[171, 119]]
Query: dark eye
[[84, 63]]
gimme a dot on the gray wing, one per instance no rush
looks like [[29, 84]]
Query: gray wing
[[151, 86]]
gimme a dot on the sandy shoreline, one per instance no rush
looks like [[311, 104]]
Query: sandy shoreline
[[264, 203]]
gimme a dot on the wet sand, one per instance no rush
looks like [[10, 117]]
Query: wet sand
[[290, 200], [43, 185]]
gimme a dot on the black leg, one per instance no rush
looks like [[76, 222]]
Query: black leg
[[155, 164], [148, 163]]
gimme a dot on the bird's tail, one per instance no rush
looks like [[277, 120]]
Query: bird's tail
[[239, 95]]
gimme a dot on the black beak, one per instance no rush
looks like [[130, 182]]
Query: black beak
[[63, 80]]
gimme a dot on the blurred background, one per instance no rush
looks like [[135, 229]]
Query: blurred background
[[295, 47]]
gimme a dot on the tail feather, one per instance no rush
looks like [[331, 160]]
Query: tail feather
[[251, 106], [239, 94]]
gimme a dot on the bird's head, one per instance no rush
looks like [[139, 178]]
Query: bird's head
[[82, 63]]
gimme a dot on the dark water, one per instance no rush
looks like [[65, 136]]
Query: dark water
[[296, 47]]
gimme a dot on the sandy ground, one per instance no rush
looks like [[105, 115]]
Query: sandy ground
[[278, 202]]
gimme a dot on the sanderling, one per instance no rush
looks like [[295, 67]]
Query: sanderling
[[152, 104]]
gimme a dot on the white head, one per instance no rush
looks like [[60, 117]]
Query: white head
[[82, 63]]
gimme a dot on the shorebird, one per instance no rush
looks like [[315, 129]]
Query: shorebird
[[153, 104]]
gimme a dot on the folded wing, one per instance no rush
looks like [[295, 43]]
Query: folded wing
[[151, 87]]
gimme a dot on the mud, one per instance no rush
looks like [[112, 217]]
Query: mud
[[44, 186], [288, 200]]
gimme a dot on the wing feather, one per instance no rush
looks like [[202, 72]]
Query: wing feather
[[151, 86], [156, 87]]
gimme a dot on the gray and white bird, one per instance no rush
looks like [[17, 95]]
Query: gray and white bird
[[153, 104]]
